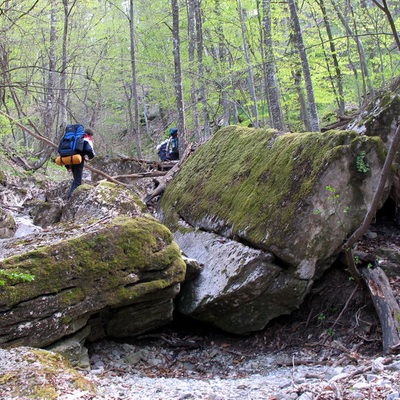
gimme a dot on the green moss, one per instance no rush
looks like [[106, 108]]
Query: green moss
[[42, 375], [255, 180], [6, 378], [397, 318], [136, 247], [109, 193]]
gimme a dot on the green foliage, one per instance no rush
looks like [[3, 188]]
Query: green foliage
[[321, 316], [361, 164], [330, 332], [15, 276], [99, 62], [332, 190]]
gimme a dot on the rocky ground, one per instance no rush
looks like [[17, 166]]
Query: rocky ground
[[172, 365], [328, 349]]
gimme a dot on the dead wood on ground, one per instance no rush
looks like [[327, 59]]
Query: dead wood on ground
[[161, 184], [386, 306]]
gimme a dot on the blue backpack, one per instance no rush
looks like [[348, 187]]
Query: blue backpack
[[72, 141]]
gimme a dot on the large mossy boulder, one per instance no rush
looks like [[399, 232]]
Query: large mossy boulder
[[294, 196], [109, 267]]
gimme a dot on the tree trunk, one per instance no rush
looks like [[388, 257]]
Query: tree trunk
[[250, 77], [192, 65], [50, 104], [63, 73], [338, 73], [202, 89], [178, 76], [134, 124], [272, 86], [367, 85], [312, 107], [221, 59], [384, 7], [304, 115]]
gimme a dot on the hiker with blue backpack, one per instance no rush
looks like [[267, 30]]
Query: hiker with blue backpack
[[75, 146], [87, 152]]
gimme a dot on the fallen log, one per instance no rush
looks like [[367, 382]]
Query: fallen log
[[51, 144], [161, 184], [139, 175], [386, 306]]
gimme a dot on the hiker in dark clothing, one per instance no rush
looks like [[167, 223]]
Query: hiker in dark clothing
[[173, 145], [77, 169], [162, 150]]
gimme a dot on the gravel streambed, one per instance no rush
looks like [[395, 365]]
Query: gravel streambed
[[219, 371]]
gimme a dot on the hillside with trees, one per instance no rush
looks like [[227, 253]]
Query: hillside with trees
[[132, 69]]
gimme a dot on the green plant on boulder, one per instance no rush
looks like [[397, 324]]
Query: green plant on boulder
[[15, 276], [361, 164]]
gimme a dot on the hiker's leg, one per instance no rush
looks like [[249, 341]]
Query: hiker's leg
[[77, 171]]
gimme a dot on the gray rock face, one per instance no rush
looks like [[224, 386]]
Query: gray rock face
[[8, 226], [237, 278], [291, 199]]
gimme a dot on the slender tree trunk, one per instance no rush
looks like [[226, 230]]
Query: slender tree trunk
[[338, 73], [385, 8], [250, 76], [368, 89], [202, 89], [192, 65], [50, 97], [273, 93], [312, 106], [178, 76], [63, 74], [304, 115], [49, 100], [135, 123], [221, 58]]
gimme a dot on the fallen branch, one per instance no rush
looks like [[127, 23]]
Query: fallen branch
[[27, 130], [163, 183], [345, 306], [50, 143], [101, 173], [141, 175]]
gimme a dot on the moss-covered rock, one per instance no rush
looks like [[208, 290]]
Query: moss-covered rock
[[269, 189], [27, 373], [296, 196], [7, 224], [127, 262], [105, 200]]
